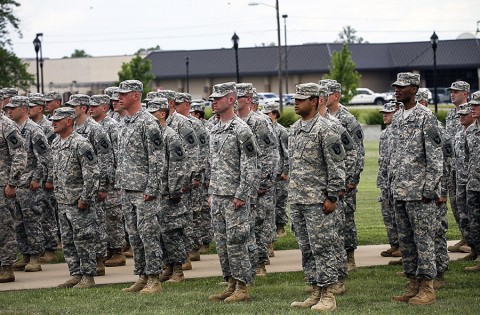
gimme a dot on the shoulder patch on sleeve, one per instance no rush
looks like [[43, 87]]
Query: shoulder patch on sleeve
[[357, 132], [103, 143], [265, 137], [434, 135], [202, 138], [247, 143], [347, 141], [155, 136], [40, 144], [448, 147], [176, 151], [87, 151], [334, 147], [14, 139], [188, 135]]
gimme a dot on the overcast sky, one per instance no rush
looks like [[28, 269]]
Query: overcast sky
[[119, 27]]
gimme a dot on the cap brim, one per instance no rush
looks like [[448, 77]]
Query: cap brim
[[58, 117], [152, 110], [123, 91], [301, 96], [386, 111], [400, 83], [217, 95], [9, 105], [71, 104], [475, 103]]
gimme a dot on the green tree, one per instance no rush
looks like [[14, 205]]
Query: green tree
[[7, 18], [142, 50], [79, 53], [138, 69], [347, 35], [342, 69]]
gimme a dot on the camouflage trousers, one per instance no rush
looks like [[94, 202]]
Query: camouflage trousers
[[463, 217], [351, 240], [441, 227], [340, 252], [281, 197], [78, 229], [101, 230], [190, 242], [202, 226], [388, 214], [28, 226], [114, 220], [231, 229], [173, 219], [452, 192], [8, 241], [50, 220], [252, 242], [416, 222], [265, 224], [143, 229], [315, 234], [473, 203]]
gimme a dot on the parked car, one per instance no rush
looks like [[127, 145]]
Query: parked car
[[367, 96], [268, 97], [443, 95], [288, 99]]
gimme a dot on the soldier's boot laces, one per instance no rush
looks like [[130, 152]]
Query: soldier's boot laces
[[261, 270], [138, 285], [177, 275], [240, 294], [338, 288], [117, 259], [34, 264], [194, 255], [225, 293], [456, 248], [412, 289], [426, 294], [351, 261], [153, 285], [128, 252], [439, 281], [311, 300], [48, 257], [187, 265], [100, 267], [20, 264], [474, 268], [167, 272], [327, 302], [70, 282], [6, 274], [86, 283], [271, 251], [204, 249], [389, 252], [470, 257]]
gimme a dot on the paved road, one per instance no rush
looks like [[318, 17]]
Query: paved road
[[209, 266]]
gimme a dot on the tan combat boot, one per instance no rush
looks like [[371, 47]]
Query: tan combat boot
[[117, 259], [465, 249], [271, 252], [187, 265], [412, 289], [194, 255], [137, 286], [281, 231], [311, 300], [389, 252], [86, 283], [470, 257], [167, 272], [177, 275], [153, 285], [439, 281], [474, 268], [34, 264], [20, 264], [261, 270], [48, 257], [327, 302], [351, 261], [74, 280], [395, 262], [225, 293], [128, 252], [6, 274], [338, 288], [240, 294], [100, 267], [426, 294], [456, 248], [204, 249]]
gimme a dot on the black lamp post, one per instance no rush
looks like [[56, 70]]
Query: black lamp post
[[235, 40], [41, 62], [37, 44], [285, 50], [187, 63], [434, 42]]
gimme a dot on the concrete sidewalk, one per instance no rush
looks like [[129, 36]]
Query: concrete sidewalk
[[209, 266]]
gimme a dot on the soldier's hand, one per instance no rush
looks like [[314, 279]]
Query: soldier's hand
[[329, 206], [82, 205], [148, 197], [283, 176], [102, 195], [34, 185], [196, 183], [10, 191], [238, 203], [48, 186], [351, 186]]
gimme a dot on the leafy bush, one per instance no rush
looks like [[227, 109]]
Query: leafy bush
[[288, 117]]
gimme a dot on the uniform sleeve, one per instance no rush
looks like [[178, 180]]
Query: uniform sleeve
[[334, 155], [248, 163], [434, 156], [283, 147], [153, 141], [17, 152], [356, 132], [104, 149], [190, 141], [351, 154], [43, 154], [175, 172], [90, 171], [267, 154]]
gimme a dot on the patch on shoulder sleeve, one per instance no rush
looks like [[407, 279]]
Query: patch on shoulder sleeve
[[14, 139], [188, 135], [434, 135], [155, 137], [346, 140], [87, 152], [103, 144], [357, 132], [40, 145], [247, 143], [334, 147], [448, 147], [176, 151], [264, 136]]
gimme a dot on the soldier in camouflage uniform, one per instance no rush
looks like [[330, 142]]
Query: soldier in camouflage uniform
[[350, 123], [38, 169], [137, 174], [109, 91], [459, 94], [473, 181], [173, 216], [317, 175], [98, 110], [49, 214], [75, 177], [233, 155], [8, 93], [13, 158], [53, 100], [417, 170], [100, 141]]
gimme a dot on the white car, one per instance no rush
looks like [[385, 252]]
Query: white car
[[367, 96], [268, 97]]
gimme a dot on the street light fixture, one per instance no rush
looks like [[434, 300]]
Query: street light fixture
[[37, 44], [285, 16], [434, 42], [276, 7], [187, 63], [235, 40]]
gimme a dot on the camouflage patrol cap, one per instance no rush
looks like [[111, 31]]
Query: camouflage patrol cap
[[464, 109], [183, 97], [406, 79], [115, 96], [197, 106], [459, 86], [63, 112], [109, 90], [270, 107], [99, 99], [255, 98], [323, 90], [168, 94], [244, 89], [78, 100], [17, 101], [389, 107], [332, 85], [36, 99], [475, 99], [9, 92], [128, 86], [150, 96], [422, 94], [53, 95], [222, 89], [157, 103], [306, 90]]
